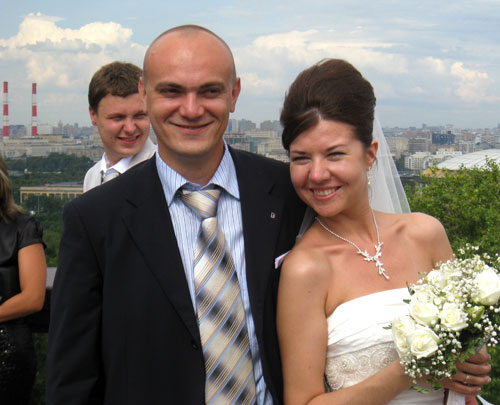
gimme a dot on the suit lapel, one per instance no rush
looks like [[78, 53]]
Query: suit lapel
[[262, 215], [146, 215]]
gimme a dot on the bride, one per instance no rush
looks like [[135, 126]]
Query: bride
[[345, 279]]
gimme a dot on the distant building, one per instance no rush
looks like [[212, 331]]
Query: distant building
[[233, 125], [246, 125], [465, 147], [443, 139], [397, 145], [59, 190], [470, 160], [418, 145], [419, 161], [44, 145], [238, 140], [271, 126], [273, 148]]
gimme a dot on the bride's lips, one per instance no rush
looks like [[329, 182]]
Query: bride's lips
[[324, 193]]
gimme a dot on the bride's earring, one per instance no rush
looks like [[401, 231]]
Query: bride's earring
[[369, 176]]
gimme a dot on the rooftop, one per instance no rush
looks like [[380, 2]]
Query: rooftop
[[470, 160]]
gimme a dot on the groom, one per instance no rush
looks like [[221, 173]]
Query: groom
[[127, 324]]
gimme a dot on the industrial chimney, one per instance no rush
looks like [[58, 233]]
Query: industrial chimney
[[34, 128], [5, 110]]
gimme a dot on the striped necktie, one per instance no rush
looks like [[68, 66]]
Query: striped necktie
[[221, 315], [105, 177]]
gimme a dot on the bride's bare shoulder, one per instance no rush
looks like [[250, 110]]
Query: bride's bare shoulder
[[306, 262], [416, 225]]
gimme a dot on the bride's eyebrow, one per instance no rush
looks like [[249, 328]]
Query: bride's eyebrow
[[329, 149]]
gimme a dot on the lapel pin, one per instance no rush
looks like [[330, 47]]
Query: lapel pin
[[273, 215]]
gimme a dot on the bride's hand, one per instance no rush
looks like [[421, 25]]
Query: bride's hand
[[471, 375]]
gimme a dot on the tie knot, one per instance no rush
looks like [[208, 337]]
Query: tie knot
[[203, 202], [110, 175]]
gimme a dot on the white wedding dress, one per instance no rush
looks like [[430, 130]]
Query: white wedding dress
[[359, 346]]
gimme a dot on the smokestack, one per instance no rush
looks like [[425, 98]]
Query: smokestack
[[34, 128], [5, 109]]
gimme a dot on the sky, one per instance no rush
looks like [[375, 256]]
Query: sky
[[433, 63]]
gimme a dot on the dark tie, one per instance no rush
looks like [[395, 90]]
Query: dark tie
[[221, 315]]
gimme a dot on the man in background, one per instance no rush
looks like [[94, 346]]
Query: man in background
[[119, 114]]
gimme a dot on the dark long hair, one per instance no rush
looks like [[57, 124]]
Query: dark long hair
[[8, 209]]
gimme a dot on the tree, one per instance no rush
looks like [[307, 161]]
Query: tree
[[55, 163], [48, 211], [467, 202]]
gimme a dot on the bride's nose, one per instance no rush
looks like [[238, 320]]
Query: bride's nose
[[319, 171]]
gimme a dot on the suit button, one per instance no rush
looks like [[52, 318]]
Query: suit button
[[194, 345]]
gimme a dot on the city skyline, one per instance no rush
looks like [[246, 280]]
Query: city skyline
[[429, 65]]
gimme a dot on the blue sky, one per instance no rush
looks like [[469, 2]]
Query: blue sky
[[430, 62]]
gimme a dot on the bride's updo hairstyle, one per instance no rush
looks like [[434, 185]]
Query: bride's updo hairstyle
[[333, 90]]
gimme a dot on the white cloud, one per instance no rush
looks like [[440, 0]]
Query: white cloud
[[62, 60], [436, 65], [473, 85], [252, 81], [64, 57], [271, 62], [38, 28], [308, 47]]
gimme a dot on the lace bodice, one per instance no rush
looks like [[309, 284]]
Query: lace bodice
[[359, 346], [351, 368]]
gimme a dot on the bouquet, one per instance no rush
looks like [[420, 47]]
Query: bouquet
[[453, 311]]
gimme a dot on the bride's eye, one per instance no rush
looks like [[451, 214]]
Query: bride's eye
[[298, 158]]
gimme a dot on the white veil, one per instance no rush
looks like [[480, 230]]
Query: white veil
[[386, 190]]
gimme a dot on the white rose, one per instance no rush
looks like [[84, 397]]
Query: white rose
[[424, 312], [452, 317], [423, 342], [423, 293], [401, 328], [488, 285]]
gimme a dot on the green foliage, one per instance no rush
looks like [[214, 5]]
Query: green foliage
[[48, 211], [38, 394], [54, 163], [56, 168], [467, 202], [492, 391]]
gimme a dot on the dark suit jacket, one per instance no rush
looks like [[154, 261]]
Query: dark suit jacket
[[123, 329]]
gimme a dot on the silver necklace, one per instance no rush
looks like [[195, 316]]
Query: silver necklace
[[378, 248]]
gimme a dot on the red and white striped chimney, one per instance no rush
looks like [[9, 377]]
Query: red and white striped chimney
[[34, 128], [5, 109]]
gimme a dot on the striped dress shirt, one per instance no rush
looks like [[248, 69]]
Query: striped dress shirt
[[186, 226]]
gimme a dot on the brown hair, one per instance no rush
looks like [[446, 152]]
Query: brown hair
[[8, 209], [116, 78], [332, 89]]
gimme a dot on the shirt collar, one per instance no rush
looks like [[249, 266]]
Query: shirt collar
[[224, 177], [121, 166]]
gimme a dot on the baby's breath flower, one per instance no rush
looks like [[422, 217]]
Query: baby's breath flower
[[464, 284]]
